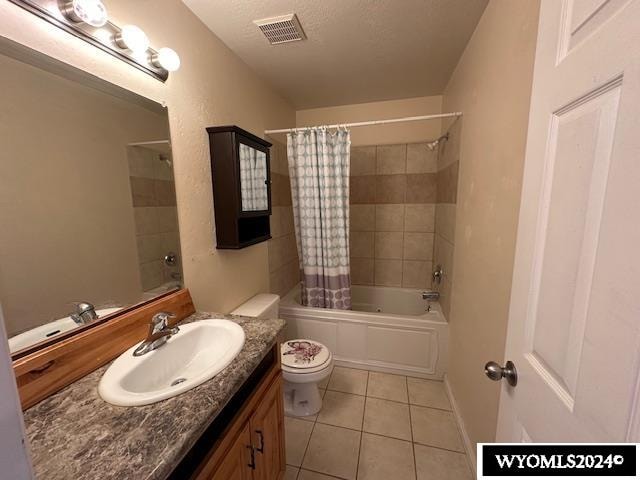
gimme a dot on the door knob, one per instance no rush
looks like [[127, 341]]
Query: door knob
[[496, 373]]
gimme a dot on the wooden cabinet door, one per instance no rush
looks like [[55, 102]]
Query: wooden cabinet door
[[267, 434], [237, 463]]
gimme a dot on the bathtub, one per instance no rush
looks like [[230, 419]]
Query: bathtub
[[388, 330]]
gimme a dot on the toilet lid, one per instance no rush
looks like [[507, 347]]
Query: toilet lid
[[302, 354]]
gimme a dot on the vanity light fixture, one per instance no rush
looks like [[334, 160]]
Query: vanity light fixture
[[132, 38], [88, 20], [91, 12], [167, 59]]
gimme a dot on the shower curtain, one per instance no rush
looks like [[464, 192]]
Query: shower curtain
[[319, 173]]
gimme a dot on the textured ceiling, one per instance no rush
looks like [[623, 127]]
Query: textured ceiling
[[356, 50]]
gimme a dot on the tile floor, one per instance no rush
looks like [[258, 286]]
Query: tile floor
[[377, 426]]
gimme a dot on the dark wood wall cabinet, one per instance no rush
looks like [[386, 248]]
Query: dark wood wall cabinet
[[240, 171]]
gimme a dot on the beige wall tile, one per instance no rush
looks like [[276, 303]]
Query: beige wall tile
[[446, 221], [165, 193], [418, 246], [287, 224], [146, 219], [443, 255], [362, 218], [390, 188], [149, 248], [447, 184], [388, 273], [363, 161], [419, 217], [141, 162], [421, 188], [362, 189], [391, 159], [143, 192], [416, 274], [275, 254], [280, 190], [169, 242], [361, 244], [389, 217], [361, 271], [167, 219], [388, 244], [275, 221], [420, 159], [151, 275]]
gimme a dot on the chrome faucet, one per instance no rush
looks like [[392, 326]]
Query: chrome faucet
[[159, 333], [431, 295], [85, 313]]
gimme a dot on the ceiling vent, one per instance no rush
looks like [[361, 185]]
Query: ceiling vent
[[281, 29]]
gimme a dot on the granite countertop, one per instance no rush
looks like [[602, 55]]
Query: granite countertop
[[74, 434]]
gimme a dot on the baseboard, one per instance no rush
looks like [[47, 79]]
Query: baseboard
[[468, 446]]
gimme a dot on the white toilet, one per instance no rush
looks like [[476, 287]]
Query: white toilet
[[305, 363]]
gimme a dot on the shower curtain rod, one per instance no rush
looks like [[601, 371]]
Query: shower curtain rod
[[372, 122]]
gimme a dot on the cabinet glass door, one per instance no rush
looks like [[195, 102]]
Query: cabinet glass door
[[253, 179]]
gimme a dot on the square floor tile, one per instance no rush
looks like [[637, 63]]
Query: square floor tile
[[296, 435], [333, 451], [436, 464], [383, 458], [342, 410], [436, 428], [348, 380], [309, 475], [387, 418], [428, 393], [291, 473], [387, 386]]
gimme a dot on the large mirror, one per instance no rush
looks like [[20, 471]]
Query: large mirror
[[87, 200]]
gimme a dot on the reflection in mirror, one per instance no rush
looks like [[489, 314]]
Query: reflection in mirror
[[87, 200], [253, 179]]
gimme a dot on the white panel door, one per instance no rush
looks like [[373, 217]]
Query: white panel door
[[574, 321]]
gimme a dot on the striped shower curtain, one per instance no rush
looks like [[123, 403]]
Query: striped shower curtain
[[319, 172]]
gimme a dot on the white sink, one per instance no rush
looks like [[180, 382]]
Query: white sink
[[191, 357]]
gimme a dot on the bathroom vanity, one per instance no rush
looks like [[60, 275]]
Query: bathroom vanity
[[230, 427]]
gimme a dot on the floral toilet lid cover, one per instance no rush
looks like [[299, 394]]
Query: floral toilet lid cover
[[302, 353]]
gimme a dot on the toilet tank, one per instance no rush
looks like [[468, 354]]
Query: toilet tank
[[263, 305]]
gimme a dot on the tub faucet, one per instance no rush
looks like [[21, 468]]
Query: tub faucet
[[159, 333], [85, 313], [431, 295]]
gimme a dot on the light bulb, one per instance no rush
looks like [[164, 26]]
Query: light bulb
[[91, 12], [133, 38], [167, 59]]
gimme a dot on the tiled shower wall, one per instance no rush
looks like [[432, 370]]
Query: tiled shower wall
[[393, 200], [156, 216], [447, 188], [284, 270]]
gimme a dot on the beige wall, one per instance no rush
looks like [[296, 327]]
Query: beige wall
[[213, 87], [410, 132], [67, 220], [491, 85]]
